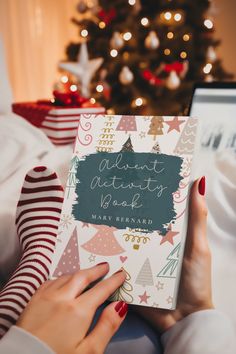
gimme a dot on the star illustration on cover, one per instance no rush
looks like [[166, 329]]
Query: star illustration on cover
[[126, 203]]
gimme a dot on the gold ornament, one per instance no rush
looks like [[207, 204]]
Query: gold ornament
[[117, 41], [152, 41], [211, 54], [173, 81], [126, 76]]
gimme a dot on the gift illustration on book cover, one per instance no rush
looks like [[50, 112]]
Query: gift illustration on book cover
[[126, 202]]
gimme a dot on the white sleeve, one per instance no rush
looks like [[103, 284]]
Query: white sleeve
[[208, 332], [17, 340]]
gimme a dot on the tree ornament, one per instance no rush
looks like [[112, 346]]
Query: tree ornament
[[126, 76], [82, 7], [83, 69], [173, 81], [211, 54], [117, 41], [209, 78], [152, 41]]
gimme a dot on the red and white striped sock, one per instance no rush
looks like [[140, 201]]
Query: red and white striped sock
[[37, 219]]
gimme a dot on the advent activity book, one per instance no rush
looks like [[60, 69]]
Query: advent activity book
[[126, 203]]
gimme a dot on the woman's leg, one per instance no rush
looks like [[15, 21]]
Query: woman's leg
[[37, 219]]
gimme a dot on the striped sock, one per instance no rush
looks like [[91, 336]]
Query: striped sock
[[37, 219]]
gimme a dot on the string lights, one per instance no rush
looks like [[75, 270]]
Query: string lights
[[102, 24], [113, 53], [208, 23], [170, 35], [127, 36], [186, 37], [73, 87], [207, 68], [84, 33], [64, 79], [99, 88], [144, 21]]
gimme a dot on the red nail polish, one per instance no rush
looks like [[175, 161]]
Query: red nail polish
[[202, 186], [101, 263], [119, 306], [123, 310], [118, 271]]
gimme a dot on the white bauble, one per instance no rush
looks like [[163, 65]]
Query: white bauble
[[117, 41], [152, 41], [126, 76], [209, 78], [211, 54], [173, 81]]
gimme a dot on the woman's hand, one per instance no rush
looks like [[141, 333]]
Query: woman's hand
[[60, 313], [195, 284]]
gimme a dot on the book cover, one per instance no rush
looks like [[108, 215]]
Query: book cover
[[126, 203]]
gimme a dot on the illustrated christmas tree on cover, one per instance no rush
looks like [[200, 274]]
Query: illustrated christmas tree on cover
[[71, 181], [168, 271], [69, 261], [127, 123], [185, 144], [145, 277], [156, 148], [123, 292], [156, 127], [127, 146], [103, 242]]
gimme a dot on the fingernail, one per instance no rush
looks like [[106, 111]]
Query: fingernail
[[119, 305], [118, 271], [123, 310], [202, 186], [102, 263]]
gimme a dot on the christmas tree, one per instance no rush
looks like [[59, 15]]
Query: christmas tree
[[127, 123], [152, 52], [71, 180], [127, 147], [156, 127], [144, 277], [156, 148], [185, 144], [69, 261], [123, 292], [103, 242], [168, 271]]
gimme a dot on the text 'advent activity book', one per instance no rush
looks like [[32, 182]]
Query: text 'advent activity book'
[[126, 203]]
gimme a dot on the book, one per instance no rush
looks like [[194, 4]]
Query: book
[[126, 203]]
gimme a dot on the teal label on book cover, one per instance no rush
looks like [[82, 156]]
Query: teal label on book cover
[[127, 189]]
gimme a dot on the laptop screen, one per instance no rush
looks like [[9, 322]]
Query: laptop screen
[[216, 110]]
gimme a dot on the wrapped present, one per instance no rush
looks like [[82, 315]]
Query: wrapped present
[[58, 120]]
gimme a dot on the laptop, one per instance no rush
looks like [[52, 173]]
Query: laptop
[[215, 105]]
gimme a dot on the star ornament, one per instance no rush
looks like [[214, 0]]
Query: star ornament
[[174, 124], [83, 69], [169, 237], [144, 298]]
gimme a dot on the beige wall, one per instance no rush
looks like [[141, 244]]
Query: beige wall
[[225, 24]]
